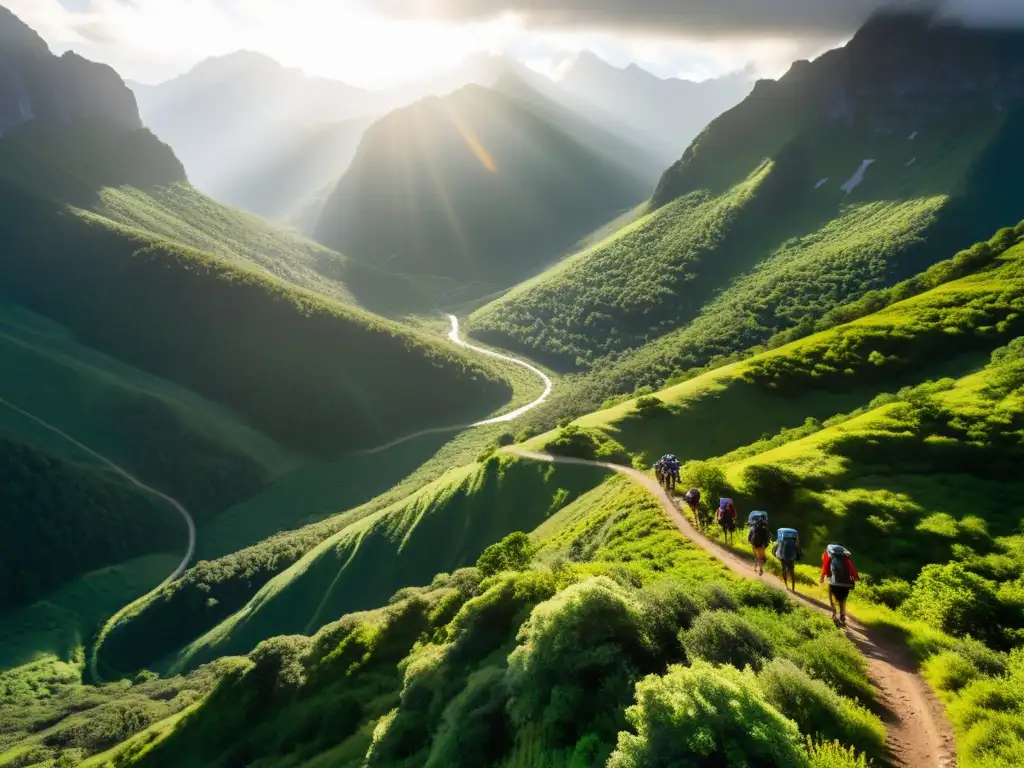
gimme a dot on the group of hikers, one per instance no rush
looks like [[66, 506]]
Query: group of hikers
[[836, 561]]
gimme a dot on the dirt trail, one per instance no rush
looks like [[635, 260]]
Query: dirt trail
[[918, 734]]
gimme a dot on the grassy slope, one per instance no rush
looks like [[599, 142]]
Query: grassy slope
[[736, 404], [414, 536], [316, 702], [917, 484], [701, 274]]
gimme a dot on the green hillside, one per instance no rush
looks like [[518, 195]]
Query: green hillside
[[476, 186], [530, 658], [415, 536], [899, 435], [208, 457], [769, 221], [61, 521], [234, 332]]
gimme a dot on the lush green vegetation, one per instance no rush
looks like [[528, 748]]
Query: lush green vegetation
[[61, 521], [918, 483], [234, 333], [535, 663], [214, 605], [47, 715], [476, 186]]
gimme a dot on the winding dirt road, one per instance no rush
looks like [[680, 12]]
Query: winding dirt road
[[453, 336], [918, 734]]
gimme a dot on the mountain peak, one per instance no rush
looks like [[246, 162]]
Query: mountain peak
[[16, 34], [241, 62]]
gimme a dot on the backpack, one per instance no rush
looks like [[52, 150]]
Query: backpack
[[759, 535], [786, 548], [839, 566], [726, 511], [692, 498]]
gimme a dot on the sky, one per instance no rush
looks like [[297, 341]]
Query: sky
[[378, 43]]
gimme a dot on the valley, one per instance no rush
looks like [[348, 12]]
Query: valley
[[329, 414]]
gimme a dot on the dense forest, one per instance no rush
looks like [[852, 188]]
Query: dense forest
[[62, 520]]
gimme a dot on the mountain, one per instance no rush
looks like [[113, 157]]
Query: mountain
[[39, 86], [151, 271], [666, 113], [476, 186], [255, 134], [848, 174]]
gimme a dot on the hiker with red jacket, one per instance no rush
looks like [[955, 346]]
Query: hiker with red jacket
[[837, 567]]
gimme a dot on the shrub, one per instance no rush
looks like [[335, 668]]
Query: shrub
[[890, 592], [590, 444], [706, 476], [668, 606], [836, 662], [722, 637], [505, 438], [769, 486], [474, 729], [956, 601], [818, 709], [486, 622], [757, 594], [649, 405], [278, 664], [513, 553], [832, 754], [579, 655], [702, 715], [949, 671], [717, 597]]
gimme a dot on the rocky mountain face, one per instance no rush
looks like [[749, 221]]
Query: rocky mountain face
[[899, 74], [36, 85]]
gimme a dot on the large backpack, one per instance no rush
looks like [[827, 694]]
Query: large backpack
[[692, 498], [839, 566], [758, 535], [787, 548], [726, 510]]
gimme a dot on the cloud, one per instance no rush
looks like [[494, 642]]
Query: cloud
[[722, 19]]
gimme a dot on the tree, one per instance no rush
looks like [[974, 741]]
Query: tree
[[513, 553]]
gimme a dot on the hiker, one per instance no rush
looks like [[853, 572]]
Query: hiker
[[837, 566], [659, 471], [759, 537], [692, 500], [671, 472], [787, 549], [727, 518]]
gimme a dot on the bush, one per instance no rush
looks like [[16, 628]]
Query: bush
[[590, 444], [949, 671], [513, 553], [818, 709], [716, 597], [769, 486], [832, 659], [951, 598], [579, 656], [649, 405], [890, 592], [668, 606], [474, 729], [721, 637], [832, 754], [702, 715], [505, 438]]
